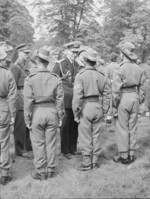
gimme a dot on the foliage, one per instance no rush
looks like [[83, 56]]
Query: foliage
[[62, 19], [15, 22]]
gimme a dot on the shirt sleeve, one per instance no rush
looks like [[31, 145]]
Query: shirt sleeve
[[28, 101], [16, 73], [60, 99], [12, 95], [78, 94]]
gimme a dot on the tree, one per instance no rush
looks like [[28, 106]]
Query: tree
[[62, 19], [15, 22]]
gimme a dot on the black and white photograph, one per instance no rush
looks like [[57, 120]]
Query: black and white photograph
[[74, 99]]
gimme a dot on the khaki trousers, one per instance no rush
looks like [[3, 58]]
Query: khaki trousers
[[4, 138], [89, 132], [126, 124], [43, 138]]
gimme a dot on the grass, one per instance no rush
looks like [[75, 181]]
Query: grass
[[111, 180]]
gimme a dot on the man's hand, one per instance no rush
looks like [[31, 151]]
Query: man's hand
[[29, 126], [12, 121], [77, 120], [109, 119], [60, 123]]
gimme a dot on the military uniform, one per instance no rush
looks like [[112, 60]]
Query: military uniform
[[21, 133], [91, 101], [43, 107], [128, 91], [8, 97], [69, 130]]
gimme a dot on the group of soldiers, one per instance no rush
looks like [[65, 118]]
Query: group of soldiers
[[75, 95]]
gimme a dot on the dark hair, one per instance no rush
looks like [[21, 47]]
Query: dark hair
[[43, 61], [92, 63]]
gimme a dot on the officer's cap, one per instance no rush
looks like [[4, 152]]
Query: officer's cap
[[91, 55], [23, 48], [3, 54], [43, 54], [128, 50], [4, 46], [73, 46]]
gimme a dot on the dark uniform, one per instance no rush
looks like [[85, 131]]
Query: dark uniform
[[8, 97], [21, 133], [69, 130], [43, 108], [91, 101], [128, 91]]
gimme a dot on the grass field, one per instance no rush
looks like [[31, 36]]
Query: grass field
[[111, 180]]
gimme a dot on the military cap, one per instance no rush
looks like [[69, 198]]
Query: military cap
[[3, 54], [128, 50], [73, 46], [23, 48], [43, 54], [4, 46], [91, 55]]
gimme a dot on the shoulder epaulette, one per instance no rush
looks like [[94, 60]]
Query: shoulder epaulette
[[54, 74], [81, 71], [102, 70], [4, 67], [31, 75]]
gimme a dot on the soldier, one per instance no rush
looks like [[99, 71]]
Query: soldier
[[91, 101], [21, 133], [43, 111], [67, 70], [128, 89], [8, 97], [111, 69]]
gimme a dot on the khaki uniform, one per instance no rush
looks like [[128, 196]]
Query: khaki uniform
[[8, 98], [128, 89], [21, 133], [91, 101], [43, 107]]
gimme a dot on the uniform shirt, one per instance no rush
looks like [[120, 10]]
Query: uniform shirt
[[43, 86], [111, 68], [90, 82], [67, 71], [8, 90], [129, 74], [20, 72]]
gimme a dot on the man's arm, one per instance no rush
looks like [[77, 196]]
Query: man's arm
[[12, 95], [56, 70], [77, 98], [28, 101], [106, 96], [116, 88], [142, 87], [60, 100], [16, 73]]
